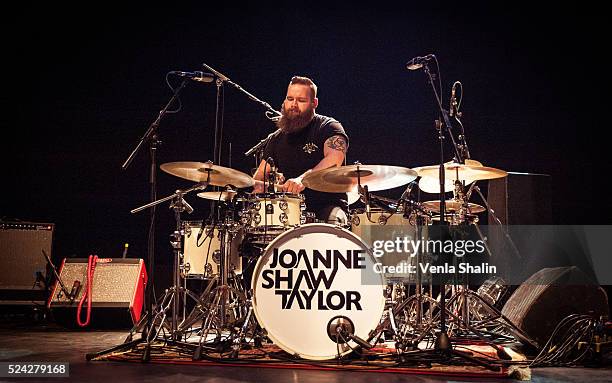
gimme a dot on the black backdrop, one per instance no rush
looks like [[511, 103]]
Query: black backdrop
[[83, 84]]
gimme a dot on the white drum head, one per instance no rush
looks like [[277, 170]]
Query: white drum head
[[308, 276]]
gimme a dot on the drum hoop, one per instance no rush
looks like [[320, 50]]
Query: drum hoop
[[273, 196]]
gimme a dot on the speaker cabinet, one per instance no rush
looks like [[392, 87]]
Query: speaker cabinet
[[551, 294], [521, 199], [117, 291], [21, 258]]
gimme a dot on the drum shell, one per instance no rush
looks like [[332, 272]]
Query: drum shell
[[272, 212], [201, 251]]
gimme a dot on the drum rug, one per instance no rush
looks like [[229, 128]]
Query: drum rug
[[482, 361]]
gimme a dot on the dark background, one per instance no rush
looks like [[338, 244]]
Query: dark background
[[83, 84]]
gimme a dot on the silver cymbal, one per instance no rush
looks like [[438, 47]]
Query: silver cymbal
[[205, 171], [343, 179], [469, 172]]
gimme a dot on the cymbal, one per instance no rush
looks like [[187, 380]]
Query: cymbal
[[205, 171], [343, 179], [225, 195], [469, 172], [452, 206]]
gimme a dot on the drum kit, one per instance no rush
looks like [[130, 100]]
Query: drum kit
[[311, 288]]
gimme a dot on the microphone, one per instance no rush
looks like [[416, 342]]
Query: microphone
[[194, 76], [453, 102], [200, 234], [418, 62], [271, 175]]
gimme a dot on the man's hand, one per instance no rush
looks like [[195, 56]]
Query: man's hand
[[258, 187], [293, 185]]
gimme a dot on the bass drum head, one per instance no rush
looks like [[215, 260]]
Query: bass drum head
[[309, 277]]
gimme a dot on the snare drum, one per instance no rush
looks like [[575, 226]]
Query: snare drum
[[311, 280], [202, 251], [272, 213]]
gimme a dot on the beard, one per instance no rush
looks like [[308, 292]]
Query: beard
[[292, 122]]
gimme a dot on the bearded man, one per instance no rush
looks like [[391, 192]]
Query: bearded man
[[307, 142]]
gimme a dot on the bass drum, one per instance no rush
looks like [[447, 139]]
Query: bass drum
[[309, 280]]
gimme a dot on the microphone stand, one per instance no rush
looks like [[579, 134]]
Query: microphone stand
[[151, 135], [258, 149], [442, 343], [271, 113]]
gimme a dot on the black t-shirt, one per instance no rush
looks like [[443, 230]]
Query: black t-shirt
[[295, 153]]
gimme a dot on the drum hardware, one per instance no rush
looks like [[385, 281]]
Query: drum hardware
[[341, 329], [224, 302], [408, 319], [151, 136], [171, 299]]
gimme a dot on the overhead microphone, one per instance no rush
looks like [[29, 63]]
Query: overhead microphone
[[418, 62], [194, 76]]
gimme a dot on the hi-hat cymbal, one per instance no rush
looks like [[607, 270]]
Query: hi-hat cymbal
[[452, 206], [225, 195], [344, 178], [205, 171]]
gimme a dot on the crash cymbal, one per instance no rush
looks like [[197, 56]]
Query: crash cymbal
[[225, 195], [452, 206], [205, 171], [469, 172], [343, 179], [456, 171], [432, 185]]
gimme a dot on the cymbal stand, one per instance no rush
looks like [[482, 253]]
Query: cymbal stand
[[152, 137], [417, 320], [224, 302], [443, 347], [157, 317], [465, 300], [171, 301]]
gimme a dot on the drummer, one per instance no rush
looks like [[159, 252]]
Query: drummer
[[308, 141]]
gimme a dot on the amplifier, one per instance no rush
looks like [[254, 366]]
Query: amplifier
[[21, 254], [117, 292]]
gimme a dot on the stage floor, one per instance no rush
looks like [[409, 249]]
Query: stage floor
[[51, 343]]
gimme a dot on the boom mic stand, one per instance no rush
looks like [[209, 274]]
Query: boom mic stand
[[442, 343], [443, 346], [271, 113], [152, 137]]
